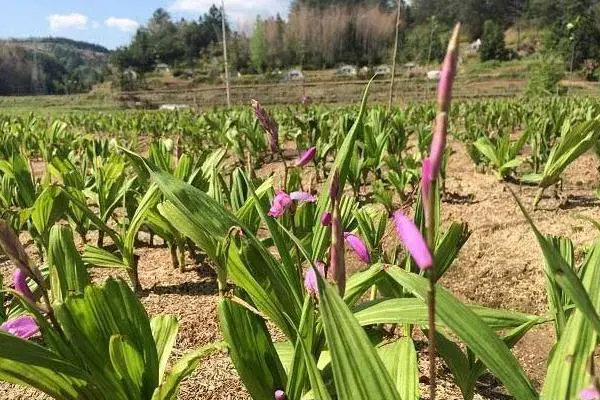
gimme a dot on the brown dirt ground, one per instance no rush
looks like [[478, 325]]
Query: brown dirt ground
[[500, 266]]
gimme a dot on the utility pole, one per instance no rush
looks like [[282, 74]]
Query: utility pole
[[225, 53], [391, 95]]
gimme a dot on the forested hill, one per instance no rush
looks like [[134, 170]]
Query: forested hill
[[50, 66], [325, 33]]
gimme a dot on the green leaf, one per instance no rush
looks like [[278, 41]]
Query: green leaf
[[128, 364], [414, 311], [251, 350], [27, 363], [101, 258], [400, 359], [358, 371], [91, 320], [182, 369], [164, 331], [563, 274], [568, 368], [68, 275], [473, 332]]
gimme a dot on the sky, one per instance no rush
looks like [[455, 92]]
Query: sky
[[111, 23]]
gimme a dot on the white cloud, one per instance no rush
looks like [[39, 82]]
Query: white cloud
[[67, 21], [122, 24], [95, 24]]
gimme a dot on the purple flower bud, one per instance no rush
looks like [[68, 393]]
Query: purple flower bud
[[303, 197], [448, 72], [590, 393], [23, 327], [358, 246], [20, 282], [306, 157], [334, 189], [326, 219], [9, 242], [336, 250], [268, 125], [305, 100], [310, 278], [280, 395], [413, 240]]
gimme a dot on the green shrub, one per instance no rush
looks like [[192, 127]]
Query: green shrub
[[545, 75], [492, 43]]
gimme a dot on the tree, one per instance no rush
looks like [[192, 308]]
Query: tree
[[492, 42], [258, 46]]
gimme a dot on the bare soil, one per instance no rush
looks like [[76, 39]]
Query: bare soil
[[500, 266]]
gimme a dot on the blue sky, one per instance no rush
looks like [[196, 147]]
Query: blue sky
[[111, 23]]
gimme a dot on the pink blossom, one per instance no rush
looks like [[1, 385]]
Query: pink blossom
[[306, 157], [358, 246], [303, 197], [23, 327], [326, 219], [280, 395], [413, 240], [20, 282], [590, 393], [283, 201], [310, 278]]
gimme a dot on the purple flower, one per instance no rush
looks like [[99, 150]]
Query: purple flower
[[306, 157], [20, 282], [268, 125], [413, 240], [280, 395], [326, 219], [358, 246], [310, 278], [303, 197], [590, 393], [283, 201], [23, 327]]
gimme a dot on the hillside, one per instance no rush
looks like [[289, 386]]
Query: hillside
[[50, 66]]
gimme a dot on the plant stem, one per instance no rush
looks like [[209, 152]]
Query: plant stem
[[430, 228], [285, 171]]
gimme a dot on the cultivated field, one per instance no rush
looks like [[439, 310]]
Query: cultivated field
[[187, 209]]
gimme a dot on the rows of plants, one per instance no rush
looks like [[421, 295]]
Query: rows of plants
[[278, 244]]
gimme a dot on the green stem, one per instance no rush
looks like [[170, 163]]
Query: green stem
[[430, 232]]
